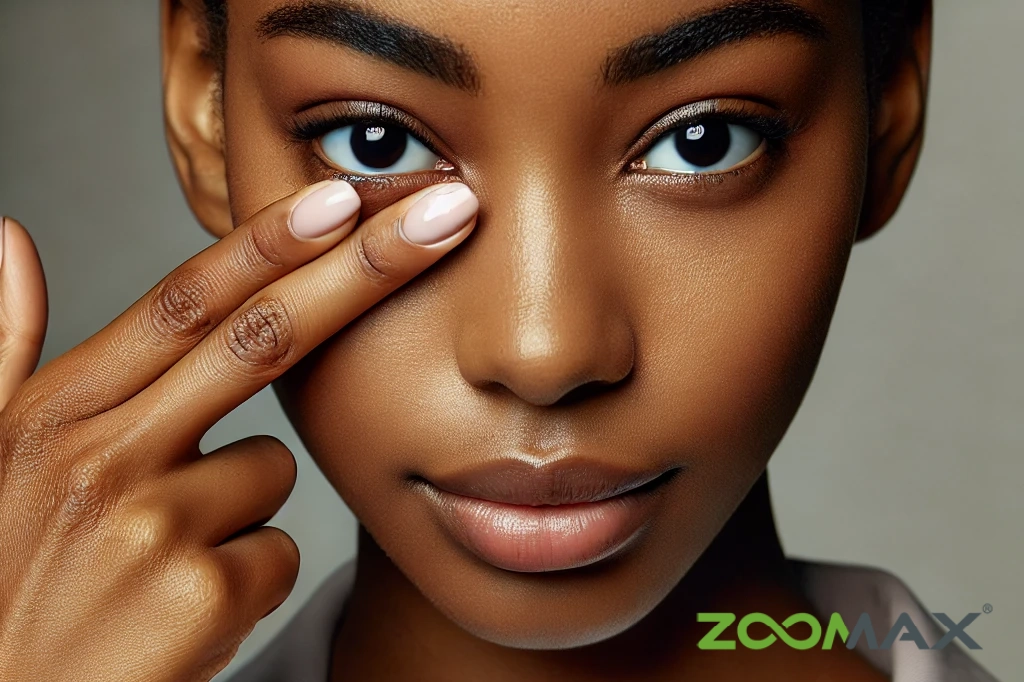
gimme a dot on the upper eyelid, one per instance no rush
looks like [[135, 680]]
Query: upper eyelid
[[329, 116], [666, 123], [772, 127]]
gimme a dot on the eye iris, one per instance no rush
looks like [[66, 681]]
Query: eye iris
[[704, 144], [378, 146]]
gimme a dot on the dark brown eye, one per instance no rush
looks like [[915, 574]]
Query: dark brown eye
[[706, 147], [376, 148], [704, 144]]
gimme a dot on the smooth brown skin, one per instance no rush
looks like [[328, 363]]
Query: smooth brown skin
[[700, 308]]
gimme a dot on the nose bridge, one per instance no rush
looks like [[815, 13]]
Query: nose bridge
[[542, 275], [544, 319]]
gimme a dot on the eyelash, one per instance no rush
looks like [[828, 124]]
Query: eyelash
[[311, 126], [775, 129]]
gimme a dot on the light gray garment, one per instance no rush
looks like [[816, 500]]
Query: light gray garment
[[301, 651]]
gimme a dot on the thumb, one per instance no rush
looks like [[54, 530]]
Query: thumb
[[23, 308]]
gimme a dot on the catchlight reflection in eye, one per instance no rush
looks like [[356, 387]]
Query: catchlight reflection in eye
[[705, 147], [377, 148]]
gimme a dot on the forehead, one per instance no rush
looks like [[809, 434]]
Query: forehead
[[543, 38]]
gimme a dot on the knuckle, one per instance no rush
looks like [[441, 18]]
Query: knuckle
[[374, 262], [35, 434], [262, 335], [35, 409], [179, 307], [26, 430], [205, 585], [142, 533], [86, 489], [262, 248]]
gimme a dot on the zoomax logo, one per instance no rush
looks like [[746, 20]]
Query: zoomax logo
[[903, 629]]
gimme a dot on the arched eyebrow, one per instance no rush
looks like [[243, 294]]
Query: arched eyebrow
[[376, 35], [700, 34], [386, 38]]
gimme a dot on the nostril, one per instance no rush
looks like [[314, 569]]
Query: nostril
[[579, 394], [587, 391], [586, 355]]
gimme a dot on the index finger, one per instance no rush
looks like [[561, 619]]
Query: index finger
[[175, 315], [286, 320]]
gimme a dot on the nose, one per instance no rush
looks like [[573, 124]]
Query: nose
[[544, 321]]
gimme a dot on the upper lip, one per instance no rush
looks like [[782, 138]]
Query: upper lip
[[572, 480]]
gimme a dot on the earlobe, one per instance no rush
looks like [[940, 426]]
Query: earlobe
[[191, 115], [898, 130]]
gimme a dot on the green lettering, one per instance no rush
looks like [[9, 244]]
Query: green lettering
[[749, 642], [710, 640], [802, 644], [836, 626]]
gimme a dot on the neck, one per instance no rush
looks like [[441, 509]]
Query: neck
[[391, 631]]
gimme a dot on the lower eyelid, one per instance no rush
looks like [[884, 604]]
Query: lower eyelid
[[380, 191], [725, 186], [639, 166], [388, 181]]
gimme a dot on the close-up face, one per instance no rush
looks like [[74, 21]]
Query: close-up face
[[547, 429]]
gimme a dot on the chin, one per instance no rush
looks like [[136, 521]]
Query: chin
[[541, 633], [556, 610]]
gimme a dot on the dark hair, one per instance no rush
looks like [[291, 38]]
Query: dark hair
[[887, 27]]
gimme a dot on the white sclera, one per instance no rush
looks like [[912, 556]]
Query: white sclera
[[744, 144], [337, 147]]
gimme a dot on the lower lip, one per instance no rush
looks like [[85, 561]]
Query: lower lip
[[545, 538]]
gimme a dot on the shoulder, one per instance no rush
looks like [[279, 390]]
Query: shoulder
[[919, 650]]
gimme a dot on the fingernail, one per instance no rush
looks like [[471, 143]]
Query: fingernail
[[324, 211], [3, 231], [440, 214]]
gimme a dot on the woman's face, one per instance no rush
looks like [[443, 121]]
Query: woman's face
[[608, 324]]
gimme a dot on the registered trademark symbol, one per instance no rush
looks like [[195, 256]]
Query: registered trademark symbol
[[987, 608]]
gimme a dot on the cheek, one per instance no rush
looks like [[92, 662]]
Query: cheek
[[381, 394], [732, 341], [733, 310]]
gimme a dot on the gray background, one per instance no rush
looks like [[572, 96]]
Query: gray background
[[907, 453]]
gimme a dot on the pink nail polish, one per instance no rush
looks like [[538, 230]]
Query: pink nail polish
[[440, 214], [324, 211]]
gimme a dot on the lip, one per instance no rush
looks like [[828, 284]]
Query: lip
[[557, 516]]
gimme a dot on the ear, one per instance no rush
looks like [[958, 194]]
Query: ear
[[898, 129], [192, 116]]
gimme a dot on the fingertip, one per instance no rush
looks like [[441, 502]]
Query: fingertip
[[323, 209], [440, 214]]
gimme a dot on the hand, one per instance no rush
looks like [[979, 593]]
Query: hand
[[127, 554]]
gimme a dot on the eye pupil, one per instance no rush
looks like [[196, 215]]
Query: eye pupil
[[704, 144], [379, 146]]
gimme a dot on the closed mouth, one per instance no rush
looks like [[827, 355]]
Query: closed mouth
[[533, 519]]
